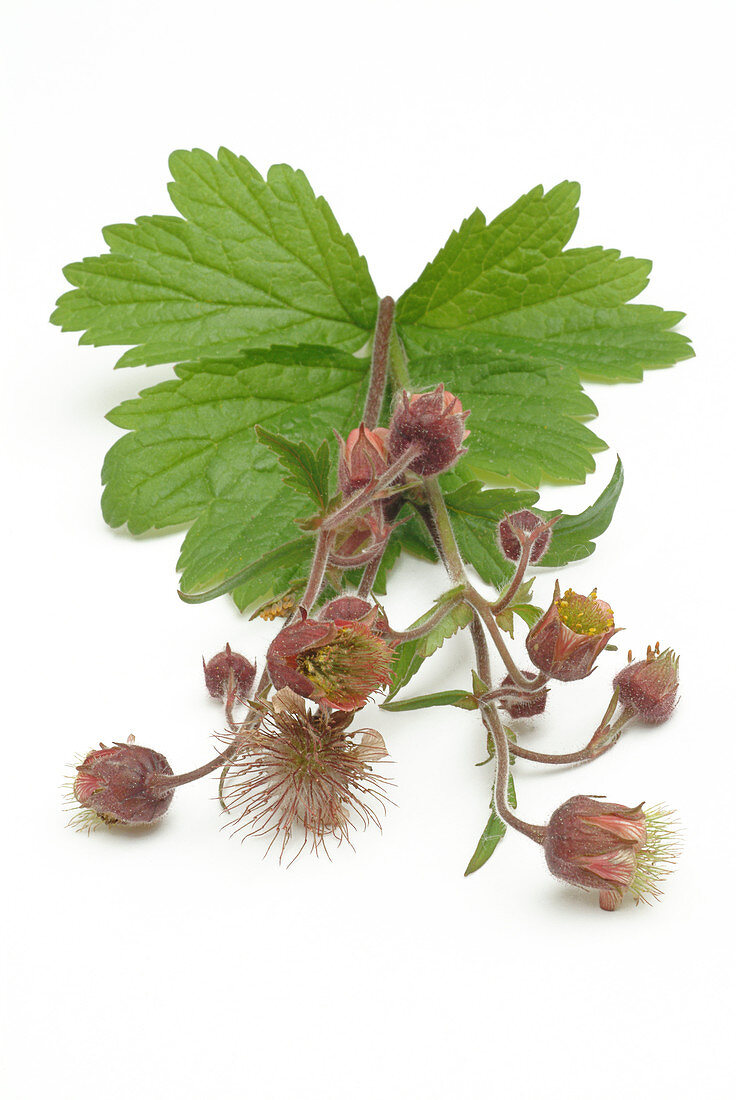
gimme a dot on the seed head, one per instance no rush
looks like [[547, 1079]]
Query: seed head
[[300, 771]]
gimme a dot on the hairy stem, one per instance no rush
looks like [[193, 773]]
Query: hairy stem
[[493, 724], [397, 358], [437, 615], [317, 572], [503, 602], [483, 608], [482, 656], [379, 362], [444, 532]]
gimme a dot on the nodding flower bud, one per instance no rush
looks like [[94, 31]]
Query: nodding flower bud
[[524, 527], [338, 662], [434, 422], [650, 687], [228, 673], [610, 848], [522, 704], [566, 641], [363, 458], [112, 784]]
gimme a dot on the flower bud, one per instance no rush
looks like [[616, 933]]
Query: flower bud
[[523, 704], [566, 641], [521, 527], [338, 662], [113, 784], [611, 848], [650, 687], [435, 422], [363, 458], [228, 672]]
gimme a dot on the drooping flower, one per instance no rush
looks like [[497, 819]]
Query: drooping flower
[[228, 672], [566, 641], [611, 848], [338, 662], [650, 687], [435, 422], [363, 458], [528, 526], [111, 786], [302, 772]]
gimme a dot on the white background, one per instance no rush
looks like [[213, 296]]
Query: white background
[[180, 963]]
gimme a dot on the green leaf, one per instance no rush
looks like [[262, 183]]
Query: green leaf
[[410, 656], [451, 698], [507, 292], [251, 262], [505, 316], [192, 454], [491, 836], [572, 535], [309, 471]]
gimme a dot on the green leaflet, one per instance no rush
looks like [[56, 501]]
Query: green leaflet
[[508, 292], [453, 697], [308, 470], [572, 535], [252, 262], [491, 836], [410, 656]]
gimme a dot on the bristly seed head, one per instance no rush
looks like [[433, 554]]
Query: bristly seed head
[[300, 771]]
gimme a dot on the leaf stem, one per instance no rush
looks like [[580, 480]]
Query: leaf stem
[[379, 362]]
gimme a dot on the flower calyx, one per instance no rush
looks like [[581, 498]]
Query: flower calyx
[[338, 662], [611, 848], [649, 687], [522, 529], [228, 674], [433, 422], [568, 638], [363, 458], [112, 784]]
